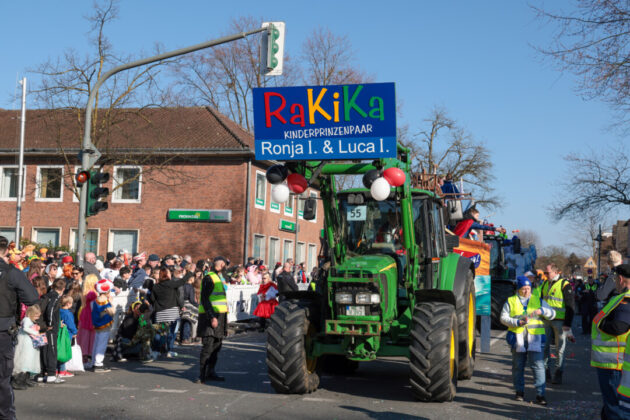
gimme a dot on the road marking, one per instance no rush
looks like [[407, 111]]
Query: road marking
[[318, 399], [77, 386], [171, 391], [240, 343], [211, 393], [120, 388], [566, 391]]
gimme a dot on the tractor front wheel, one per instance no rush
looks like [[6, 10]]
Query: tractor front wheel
[[289, 341]]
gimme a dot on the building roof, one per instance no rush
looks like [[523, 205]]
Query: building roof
[[184, 130]]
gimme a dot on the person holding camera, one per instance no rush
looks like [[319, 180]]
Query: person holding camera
[[14, 290]]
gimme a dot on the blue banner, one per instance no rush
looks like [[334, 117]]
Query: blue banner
[[325, 122]]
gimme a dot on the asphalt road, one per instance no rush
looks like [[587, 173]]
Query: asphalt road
[[378, 390]]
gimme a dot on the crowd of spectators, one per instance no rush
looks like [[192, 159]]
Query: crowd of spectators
[[138, 306]]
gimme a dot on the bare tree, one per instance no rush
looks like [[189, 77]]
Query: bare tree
[[223, 77], [597, 182], [446, 148], [67, 81], [529, 237], [329, 59], [591, 41]]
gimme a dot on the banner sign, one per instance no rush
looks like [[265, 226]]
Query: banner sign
[[479, 254], [325, 122], [199, 215]]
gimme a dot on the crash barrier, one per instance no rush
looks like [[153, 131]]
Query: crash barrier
[[242, 301]]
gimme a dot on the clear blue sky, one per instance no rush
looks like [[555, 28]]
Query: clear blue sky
[[475, 59]]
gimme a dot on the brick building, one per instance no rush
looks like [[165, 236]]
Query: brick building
[[158, 159]]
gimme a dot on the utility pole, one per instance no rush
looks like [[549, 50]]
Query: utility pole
[[20, 186], [89, 152]]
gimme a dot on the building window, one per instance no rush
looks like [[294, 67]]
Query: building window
[[274, 252], [259, 247], [127, 184], [312, 257], [9, 183], [300, 206], [9, 233], [313, 194], [288, 250], [91, 240], [288, 206], [49, 181], [300, 254], [123, 239], [261, 190], [47, 236]]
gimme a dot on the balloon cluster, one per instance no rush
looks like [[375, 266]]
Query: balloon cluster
[[380, 184], [295, 183]]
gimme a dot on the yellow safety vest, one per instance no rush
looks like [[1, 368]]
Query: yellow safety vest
[[554, 297], [218, 299], [607, 351], [624, 386], [534, 325], [537, 291], [591, 288]]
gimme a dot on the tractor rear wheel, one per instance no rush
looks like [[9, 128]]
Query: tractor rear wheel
[[499, 292], [289, 341], [466, 318], [433, 352]]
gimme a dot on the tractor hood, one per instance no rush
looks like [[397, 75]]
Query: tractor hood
[[369, 264]]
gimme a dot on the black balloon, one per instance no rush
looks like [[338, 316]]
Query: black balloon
[[369, 177], [276, 174]]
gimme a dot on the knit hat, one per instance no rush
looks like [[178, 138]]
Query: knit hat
[[67, 259], [623, 270], [529, 274], [522, 281], [104, 286]]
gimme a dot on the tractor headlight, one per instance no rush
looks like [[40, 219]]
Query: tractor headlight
[[343, 298], [363, 298], [375, 298]]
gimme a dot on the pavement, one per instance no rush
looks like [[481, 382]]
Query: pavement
[[378, 390]]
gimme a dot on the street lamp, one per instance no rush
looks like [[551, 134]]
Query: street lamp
[[599, 251]]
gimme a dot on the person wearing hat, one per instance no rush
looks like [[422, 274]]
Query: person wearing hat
[[588, 304], [609, 335], [102, 319], [523, 314], [212, 321], [109, 259]]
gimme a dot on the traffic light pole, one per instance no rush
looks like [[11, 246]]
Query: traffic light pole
[[90, 153]]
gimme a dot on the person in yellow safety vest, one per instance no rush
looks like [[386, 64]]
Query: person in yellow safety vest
[[212, 322], [610, 331], [523, 314], [558, 293], [588, 304]]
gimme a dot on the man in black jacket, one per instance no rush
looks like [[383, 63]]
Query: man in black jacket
[[212, 326], [286, 283], [14, 289]]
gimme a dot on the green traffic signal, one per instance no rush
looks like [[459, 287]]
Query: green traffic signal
[[96, 191]]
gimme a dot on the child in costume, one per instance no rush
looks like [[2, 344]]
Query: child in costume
[[67, 317], [26, 359], [102, 319], [267, 293]]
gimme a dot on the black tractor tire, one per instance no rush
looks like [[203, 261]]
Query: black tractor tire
[[288, 336], [433, 352], [338, 364], [466, 320], [500, 291]]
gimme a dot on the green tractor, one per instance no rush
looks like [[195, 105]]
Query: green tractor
[[391, 286]]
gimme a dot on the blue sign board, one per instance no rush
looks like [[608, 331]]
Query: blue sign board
[[325, 122]]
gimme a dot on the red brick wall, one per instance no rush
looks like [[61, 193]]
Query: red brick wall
[[204, 185]]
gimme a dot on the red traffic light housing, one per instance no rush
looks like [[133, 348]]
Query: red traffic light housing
[[82, 177]]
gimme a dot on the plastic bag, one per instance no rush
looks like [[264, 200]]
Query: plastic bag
[[64, 345], [76, 363]]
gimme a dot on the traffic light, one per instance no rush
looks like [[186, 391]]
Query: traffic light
[[272, 48], [95, 191]]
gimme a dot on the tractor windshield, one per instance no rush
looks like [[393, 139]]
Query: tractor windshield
[[370, 226]]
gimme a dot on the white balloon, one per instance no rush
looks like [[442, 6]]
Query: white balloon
[[380, 189], [280, 193]]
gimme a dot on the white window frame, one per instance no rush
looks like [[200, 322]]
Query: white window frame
[[38, 181], [278, 254], [264, 245], [292, 200], [304, 257], [34, 232], [114, 199], [311, 264], [73, 246], [110, 239], [264, 200], [313, 194], [2, 168], [12, 228], [284, 242]]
